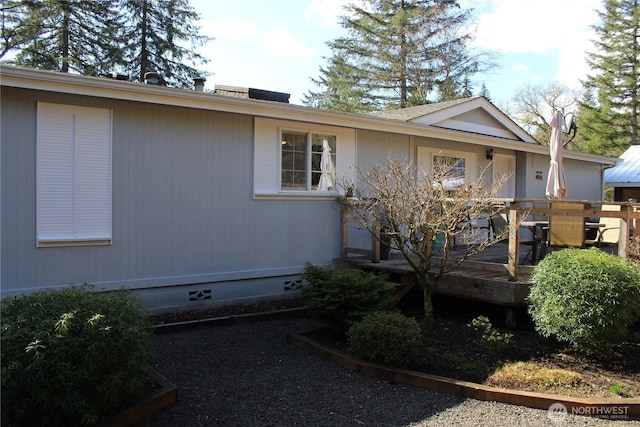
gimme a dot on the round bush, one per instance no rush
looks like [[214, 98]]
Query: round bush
[[71, 357], [386, 337], [345, 296], [587, 298]]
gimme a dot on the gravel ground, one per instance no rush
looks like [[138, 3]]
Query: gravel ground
[[246, 374]]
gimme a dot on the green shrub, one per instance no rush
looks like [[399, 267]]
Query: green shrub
[[488, 336], [386, 337], [71, 357], [587, 298], [345, 296]]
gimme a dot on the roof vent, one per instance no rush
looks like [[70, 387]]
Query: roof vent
[[247, 92], [152, 78], [199, 84], [268, 95], [116, 76]]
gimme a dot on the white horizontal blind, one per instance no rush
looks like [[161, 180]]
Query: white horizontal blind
[[73, 174]]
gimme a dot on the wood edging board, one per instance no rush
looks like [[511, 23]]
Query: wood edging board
[[582, 406], [165, 395], [229, 320]]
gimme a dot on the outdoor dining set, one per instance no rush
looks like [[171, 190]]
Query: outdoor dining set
[[549, 232]]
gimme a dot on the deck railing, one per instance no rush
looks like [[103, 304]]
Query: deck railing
[[519, 209]]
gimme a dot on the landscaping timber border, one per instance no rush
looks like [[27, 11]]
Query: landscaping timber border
[[165, 395], [578, 406]]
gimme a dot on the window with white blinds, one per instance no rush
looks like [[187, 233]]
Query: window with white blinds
[[73, 175]]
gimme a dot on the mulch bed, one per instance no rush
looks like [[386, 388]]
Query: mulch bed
[[450, 349]]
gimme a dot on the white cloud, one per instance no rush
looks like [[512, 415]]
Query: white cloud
[[232, 29], [558, 29], [282, 43], [275, 43], [328, 10], [522, 25], [520, 68]]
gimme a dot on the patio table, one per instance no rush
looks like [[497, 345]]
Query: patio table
[[543, 225]]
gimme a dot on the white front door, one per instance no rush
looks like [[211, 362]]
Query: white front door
[[505, 164]]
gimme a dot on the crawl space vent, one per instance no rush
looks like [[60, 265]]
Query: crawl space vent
[[201, 295]]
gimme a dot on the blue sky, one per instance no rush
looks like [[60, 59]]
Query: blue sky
[[279, 44]]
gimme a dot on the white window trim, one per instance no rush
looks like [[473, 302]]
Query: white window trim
[[267, 165], [73, 175]]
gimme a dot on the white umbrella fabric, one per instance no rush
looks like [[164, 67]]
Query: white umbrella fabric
[[326, 167], [556, 182]]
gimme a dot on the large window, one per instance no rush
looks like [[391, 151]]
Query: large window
[[73, 175], [308, 161], [288, 159], [453, 168], [458, 165]]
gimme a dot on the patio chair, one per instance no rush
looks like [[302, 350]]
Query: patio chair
[[609, 233], [566, 231]]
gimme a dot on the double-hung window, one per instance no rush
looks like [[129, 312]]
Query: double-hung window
[[73, 151], [294, 159], [307, 161]]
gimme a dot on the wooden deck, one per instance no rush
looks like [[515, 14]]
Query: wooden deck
[[483, 277], [500, 274]]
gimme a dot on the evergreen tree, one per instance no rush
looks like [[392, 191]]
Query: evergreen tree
[[608, 120], [100, 37], [66, 35], [397, 53], [342, 92], [484, 91], [18, 26], [154, 32]]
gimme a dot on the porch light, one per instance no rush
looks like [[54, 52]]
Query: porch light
[[490, 154]]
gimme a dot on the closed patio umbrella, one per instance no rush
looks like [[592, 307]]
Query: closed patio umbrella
[[556, 182], [326, 167]]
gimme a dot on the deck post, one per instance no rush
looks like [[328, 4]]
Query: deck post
[[623, 241], [514, 240], [375, 242], [344, 230]]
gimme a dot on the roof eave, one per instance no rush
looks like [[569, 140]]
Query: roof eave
[[117, 89]]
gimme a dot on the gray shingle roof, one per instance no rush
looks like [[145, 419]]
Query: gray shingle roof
[[628, 171], [410, 113]]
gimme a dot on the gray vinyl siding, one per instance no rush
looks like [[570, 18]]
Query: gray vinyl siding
[[182, 205], [376, 147]]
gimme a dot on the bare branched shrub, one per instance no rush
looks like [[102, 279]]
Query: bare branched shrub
[[416, 209], [634, 249]]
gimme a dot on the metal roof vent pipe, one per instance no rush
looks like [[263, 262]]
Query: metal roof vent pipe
[[199, 84], [152, 78]]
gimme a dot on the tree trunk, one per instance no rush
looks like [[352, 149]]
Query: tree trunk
[[65, 37], [428, 307], [144, 52], [427, 291]]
